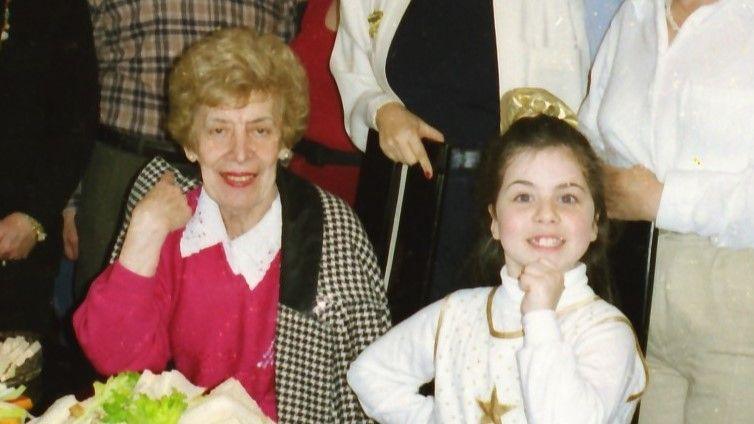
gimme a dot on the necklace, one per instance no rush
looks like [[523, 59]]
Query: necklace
[[669, 16], [6, 21]]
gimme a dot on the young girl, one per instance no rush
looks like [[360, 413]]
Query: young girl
[[540, 348]]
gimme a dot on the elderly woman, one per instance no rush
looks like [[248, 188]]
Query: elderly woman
[[670, 109], [256, 274]]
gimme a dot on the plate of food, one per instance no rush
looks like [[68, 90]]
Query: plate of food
[[20, 357], [166, 398]]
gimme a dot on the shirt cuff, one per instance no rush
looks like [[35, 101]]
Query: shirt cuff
[[540, 327], [376, 103], [122, 275], [680, 192]]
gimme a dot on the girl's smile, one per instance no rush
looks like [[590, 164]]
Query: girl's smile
[[544, 210]]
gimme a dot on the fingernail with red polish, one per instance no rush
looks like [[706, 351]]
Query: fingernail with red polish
[[428, 175]]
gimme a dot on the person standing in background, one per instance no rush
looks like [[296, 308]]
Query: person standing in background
[[325, 156], [435, 69], [136, 42], [670, 111], [48, 115]]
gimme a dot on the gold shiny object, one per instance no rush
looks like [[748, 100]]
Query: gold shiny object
[[374, 22], [39, 230], [529, 101], [493, 410]]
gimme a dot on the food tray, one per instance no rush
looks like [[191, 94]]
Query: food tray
[[30, 369]]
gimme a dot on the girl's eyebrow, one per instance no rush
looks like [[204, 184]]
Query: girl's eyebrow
[[524, 182], [570, 184], [559, 186]]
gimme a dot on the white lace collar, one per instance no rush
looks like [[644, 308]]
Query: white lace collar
[[249, 254]]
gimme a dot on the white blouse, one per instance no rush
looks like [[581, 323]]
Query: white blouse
[[249, 254], [580, 364], [682, 110]]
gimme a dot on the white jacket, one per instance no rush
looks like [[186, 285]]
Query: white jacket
[[579, 365], [540, 43]]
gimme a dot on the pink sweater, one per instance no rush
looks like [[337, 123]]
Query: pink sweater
[[195, 312]]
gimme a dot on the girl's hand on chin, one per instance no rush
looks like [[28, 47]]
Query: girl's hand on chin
[[542, 284], [163, 209]]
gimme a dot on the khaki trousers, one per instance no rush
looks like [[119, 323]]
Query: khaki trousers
[[701, 334]]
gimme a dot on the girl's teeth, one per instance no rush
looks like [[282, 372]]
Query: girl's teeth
[[547, 241]]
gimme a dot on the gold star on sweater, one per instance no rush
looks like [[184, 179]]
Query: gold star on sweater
[[493, 410]]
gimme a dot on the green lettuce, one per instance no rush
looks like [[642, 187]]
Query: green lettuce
[[115, 402], [143, 409], [8, 410]]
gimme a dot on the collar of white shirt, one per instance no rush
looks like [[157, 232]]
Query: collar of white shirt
[[575, 281], [249, 254]]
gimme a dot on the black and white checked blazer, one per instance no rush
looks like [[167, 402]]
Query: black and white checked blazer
[[332, 302]]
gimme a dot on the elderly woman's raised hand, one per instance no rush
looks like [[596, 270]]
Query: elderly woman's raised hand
[[162, 210], [400, 136], [164, 207]]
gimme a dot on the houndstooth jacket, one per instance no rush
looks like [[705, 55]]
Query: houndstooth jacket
[[332, 303]]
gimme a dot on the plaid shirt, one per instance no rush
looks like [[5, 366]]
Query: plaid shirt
[[138, 40]]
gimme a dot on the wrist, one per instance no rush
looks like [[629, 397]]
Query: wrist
[[540, 327], [384, 111], [141, 249], [36, 227], [527, 307], [147, 226]]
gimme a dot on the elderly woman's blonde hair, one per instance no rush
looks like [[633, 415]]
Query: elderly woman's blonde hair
[[223, 69]]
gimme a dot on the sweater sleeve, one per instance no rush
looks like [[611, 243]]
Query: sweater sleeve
[[388, 374], [710, 203], [583, 382], [350, 64], [123, 322]]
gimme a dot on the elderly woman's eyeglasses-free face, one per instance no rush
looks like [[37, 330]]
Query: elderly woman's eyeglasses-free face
[[237, 151]]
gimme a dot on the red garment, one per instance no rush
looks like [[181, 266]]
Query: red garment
[[194, 311], [313, 46]]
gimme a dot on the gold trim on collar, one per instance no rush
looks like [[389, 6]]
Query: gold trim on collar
[[574, 306], [499, 334], [520, 333]]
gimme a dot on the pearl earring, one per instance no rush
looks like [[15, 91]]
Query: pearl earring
[[285, 155]]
